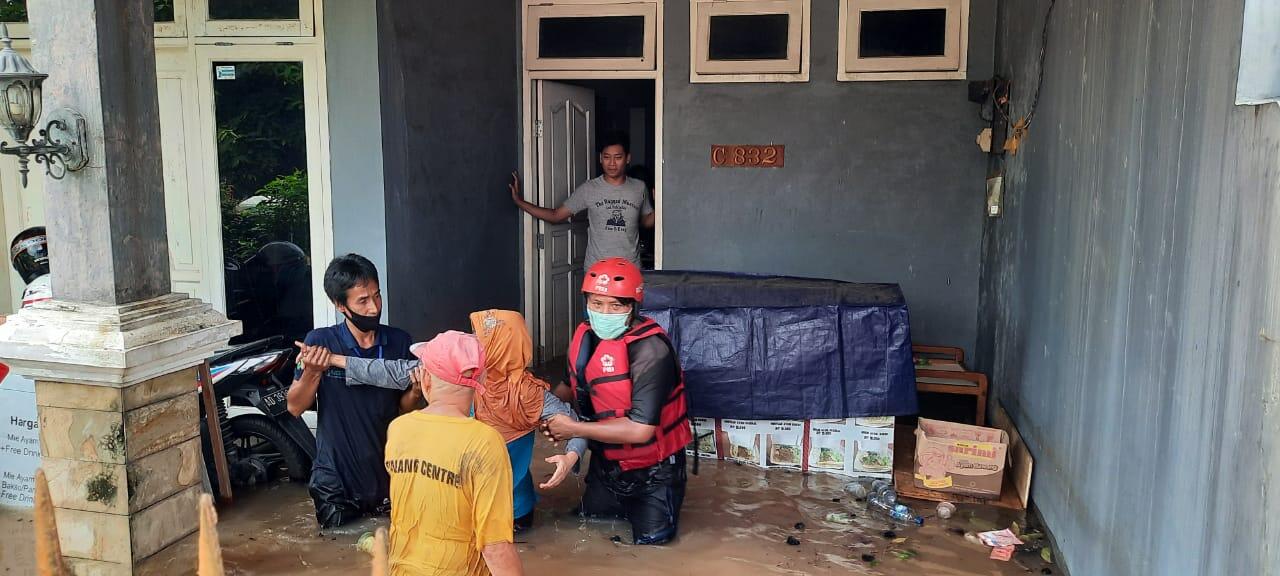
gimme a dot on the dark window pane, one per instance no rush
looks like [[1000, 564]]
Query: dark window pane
[[888, 33], [13, 11], [591, 37], [16, 11], [253, 9], [748, 37], [262, 182], [164, 11]]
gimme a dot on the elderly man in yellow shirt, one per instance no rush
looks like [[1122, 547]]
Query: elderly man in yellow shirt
[[450, 474]]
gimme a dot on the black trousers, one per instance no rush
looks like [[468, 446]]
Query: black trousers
[[649, 498]]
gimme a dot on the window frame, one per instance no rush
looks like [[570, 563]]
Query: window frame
[[536, 12], [951, 65], [175, 29], [794, 69], [204, 26]]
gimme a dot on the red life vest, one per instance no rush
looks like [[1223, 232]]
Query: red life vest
[[605, 377]]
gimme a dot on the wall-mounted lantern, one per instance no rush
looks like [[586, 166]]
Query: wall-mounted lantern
[[60, 145]]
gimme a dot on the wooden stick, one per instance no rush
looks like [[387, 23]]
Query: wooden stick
[[48, 550], [381, 567], [210, 555], [215, 433]]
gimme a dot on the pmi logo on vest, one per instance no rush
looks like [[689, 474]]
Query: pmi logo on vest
[[606, 363]]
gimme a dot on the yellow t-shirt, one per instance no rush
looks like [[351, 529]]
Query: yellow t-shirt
[[450, 494]]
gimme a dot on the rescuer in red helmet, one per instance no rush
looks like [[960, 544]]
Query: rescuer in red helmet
[[630, 391]]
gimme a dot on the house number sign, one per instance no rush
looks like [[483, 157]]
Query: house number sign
[[747, 156]]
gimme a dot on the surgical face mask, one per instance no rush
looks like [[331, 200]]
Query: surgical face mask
[[363, 323], [608, 326]]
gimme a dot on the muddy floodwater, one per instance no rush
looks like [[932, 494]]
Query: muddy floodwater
[[736, 521]]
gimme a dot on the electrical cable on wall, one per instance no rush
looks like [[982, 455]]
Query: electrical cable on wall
[[1020, 128]]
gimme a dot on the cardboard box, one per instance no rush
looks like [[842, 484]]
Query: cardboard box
[[784, 444], [960, 459]]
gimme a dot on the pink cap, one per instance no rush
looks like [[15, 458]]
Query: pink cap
[[450, 355]]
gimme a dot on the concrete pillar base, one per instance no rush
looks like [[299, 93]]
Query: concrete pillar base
[[119, 421]]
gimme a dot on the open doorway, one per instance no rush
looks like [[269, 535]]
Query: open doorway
[[568, 117]]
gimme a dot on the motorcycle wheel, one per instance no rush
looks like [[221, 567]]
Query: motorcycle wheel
[[258, 436]]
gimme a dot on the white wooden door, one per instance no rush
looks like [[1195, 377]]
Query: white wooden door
[[565, 131]]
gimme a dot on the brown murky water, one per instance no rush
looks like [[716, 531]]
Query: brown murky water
[[736, 520]]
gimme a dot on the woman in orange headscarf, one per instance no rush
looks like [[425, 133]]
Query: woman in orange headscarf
[[514, 401]]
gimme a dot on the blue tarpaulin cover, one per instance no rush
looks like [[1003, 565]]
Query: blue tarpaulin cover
[[772, 347]]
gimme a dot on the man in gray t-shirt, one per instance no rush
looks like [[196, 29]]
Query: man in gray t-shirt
[[616, 206]]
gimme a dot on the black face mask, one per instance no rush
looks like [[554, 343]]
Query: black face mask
[[363, 323]]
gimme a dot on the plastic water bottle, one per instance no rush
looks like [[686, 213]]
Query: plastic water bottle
[[884, 499], [884, 489], [856, 489]]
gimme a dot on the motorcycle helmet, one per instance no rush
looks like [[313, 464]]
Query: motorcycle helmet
[[29, 253]]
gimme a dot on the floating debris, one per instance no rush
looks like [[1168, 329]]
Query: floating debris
[[840, 517], [793, 541], [889, 534], [799, 526], [365, 543], [904, 554]]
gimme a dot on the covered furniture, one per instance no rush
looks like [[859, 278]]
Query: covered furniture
[[771, 347]]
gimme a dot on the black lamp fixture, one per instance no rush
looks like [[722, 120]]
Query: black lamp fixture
[[60, 145]]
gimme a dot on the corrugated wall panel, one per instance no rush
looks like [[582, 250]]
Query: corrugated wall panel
[[1129, 309]]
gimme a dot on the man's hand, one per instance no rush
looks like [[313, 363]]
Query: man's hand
[[514, 186], [564, 464], [315, 359], [558, 427], [419, 375]]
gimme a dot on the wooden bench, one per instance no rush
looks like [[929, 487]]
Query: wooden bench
[[945, 374]]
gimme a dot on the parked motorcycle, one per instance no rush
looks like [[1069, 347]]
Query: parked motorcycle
[[267, 444]]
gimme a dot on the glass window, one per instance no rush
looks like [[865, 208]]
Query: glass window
[[749, 41], [16, 10], [264, 196], [253, 10], [164, 11], [894, 33], [748, 37], [591, 37], [903, 40], [13, 11]]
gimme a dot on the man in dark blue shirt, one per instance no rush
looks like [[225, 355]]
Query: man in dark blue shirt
[[348, 479]]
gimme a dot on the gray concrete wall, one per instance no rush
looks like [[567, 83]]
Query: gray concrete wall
[[355, 134], [883, 181], [1131, 293], [450, 125]]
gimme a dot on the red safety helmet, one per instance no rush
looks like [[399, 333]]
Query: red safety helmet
[[616, 277]]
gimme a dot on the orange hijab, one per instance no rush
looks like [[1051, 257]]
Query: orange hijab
[[512, 398]]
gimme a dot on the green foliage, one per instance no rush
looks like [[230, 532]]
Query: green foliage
[[13, 11], [281, 216], [262, 152]]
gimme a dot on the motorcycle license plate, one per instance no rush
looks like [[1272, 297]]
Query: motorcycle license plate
[[276, 402]]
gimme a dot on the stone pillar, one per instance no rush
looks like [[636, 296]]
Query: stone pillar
[[113, 355]]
